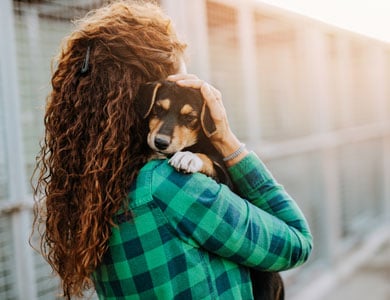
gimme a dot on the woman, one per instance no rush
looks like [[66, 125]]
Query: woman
[[140, 230]]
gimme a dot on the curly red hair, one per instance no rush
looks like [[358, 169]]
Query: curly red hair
[[93, 145]]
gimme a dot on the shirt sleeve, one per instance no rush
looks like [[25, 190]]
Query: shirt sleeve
[[266, 230]]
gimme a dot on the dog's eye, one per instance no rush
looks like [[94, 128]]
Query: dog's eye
[[188, 118], [158, 110]]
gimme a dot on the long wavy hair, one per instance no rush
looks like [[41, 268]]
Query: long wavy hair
[[93, 145]]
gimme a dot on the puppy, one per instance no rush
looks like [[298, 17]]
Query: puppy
[[179, 127]]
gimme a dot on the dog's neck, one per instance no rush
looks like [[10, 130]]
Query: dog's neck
[[158, 155]]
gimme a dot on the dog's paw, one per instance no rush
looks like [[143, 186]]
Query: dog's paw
[[186, 161]]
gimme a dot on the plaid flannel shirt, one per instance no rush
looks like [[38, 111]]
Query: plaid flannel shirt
[[192, 238]]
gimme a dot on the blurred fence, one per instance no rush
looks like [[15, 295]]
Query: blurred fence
[[312, 100]]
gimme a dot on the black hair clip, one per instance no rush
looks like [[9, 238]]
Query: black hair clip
[[85, 66]]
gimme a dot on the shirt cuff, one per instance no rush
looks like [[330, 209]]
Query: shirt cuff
[[250, 173]]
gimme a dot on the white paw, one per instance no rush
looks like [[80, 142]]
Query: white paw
[[187, 162]]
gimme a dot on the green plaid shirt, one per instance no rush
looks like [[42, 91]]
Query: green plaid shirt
[[192, 238]]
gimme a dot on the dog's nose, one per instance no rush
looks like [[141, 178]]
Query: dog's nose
[[161, 143]]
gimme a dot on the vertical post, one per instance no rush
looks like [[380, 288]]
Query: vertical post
[[375, 66], [379, 76], [314, 49], [190, 22], [24, 271], [381, 91], [316, 83], [386, 179], [246, 29], [343, 75]]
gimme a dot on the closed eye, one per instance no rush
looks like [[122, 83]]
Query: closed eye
[[158, 110], [189, 118], [161, 107]]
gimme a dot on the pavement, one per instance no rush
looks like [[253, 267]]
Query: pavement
[[369, 282]]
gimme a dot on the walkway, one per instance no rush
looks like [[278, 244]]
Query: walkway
[[371, 281]]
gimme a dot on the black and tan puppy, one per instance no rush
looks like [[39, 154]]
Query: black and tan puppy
[[179, 126], [179, 123]]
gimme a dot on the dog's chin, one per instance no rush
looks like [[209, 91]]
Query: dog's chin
[[166, 152], [171, 149], [174, 148]]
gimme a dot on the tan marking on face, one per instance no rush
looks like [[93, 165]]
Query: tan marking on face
[[154, 127], [186, 109], [164, 103], [183, 137]]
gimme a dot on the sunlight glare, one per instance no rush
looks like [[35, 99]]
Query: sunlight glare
[[368, 17]]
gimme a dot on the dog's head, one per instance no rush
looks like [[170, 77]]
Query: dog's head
[[176, 115]]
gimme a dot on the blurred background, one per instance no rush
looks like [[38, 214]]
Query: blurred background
[[312, 99]]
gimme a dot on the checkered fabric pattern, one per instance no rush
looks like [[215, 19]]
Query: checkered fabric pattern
[[192, 238]]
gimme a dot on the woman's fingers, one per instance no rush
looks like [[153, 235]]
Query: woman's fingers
[[183, 76], [191, 82], [213, 99], [211, 95]]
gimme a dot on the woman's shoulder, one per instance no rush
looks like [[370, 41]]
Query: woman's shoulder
[[163, 172], [167, 181]]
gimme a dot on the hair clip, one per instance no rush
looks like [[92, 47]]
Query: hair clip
[[85, 66]]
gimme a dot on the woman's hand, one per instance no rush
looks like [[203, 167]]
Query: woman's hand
[[223, 139]]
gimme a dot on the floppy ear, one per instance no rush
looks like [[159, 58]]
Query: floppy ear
[[206, 121], [146, 97]]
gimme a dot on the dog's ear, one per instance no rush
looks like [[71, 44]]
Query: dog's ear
[[206, 121], [146, 97]]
